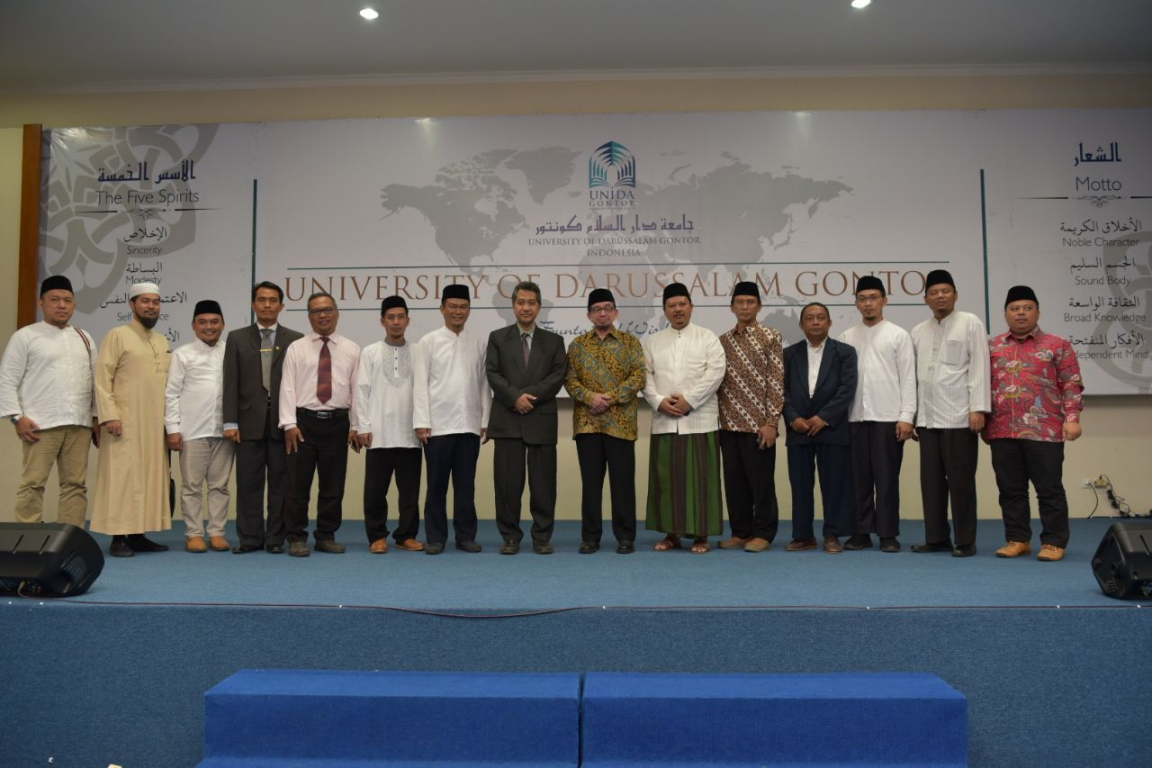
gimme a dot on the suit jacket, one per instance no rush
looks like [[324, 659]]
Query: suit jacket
[[547, 366], [835, 390], [245, 399]]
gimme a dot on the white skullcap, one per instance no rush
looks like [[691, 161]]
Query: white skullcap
[[141, 288]]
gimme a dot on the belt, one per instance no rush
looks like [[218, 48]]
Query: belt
[[324, 415]]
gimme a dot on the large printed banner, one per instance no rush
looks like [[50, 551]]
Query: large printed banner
[[802, 203]]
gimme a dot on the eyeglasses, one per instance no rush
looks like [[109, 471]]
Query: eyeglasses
[[868, 299], [601, 310], [322, 311]]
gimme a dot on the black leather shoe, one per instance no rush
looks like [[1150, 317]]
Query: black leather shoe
[[140, 543], [244, 549], [589, 547], [298, 549], [472, 546], [543, 548], [508, 548], [432, 548], [625, 548], [120, 548], [274, 549], [331, 546], [859, 541], [930, 547], [966, 550], [889, 545]]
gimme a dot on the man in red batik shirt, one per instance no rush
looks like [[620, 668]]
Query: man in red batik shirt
[[1036, 404]]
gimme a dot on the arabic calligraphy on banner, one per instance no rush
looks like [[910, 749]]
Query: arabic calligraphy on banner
[[801, 203]]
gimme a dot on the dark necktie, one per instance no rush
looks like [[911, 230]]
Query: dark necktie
[[525, 348], [324, 373], [266, 358]]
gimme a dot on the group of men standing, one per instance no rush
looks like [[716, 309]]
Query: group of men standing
[[286, 407]]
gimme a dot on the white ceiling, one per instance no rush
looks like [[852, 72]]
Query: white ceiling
[[65, 45]]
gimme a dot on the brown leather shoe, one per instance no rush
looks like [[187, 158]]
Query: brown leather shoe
[[1014, 549], [378, 547], [733, 542], [832, 545], [195, 544], [757, 544], [1050, 553], [410, 545], [219, 544], [800, 546]]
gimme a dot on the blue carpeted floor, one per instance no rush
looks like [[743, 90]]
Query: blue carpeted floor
[[490, 582], [1055, 673]]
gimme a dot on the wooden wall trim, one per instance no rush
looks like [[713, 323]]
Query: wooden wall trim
[[29, 228]]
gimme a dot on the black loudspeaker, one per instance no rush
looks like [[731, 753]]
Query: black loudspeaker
[[1123, 561], [47, 560]]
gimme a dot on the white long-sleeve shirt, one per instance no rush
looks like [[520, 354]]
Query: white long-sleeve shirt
[[384, 395], [952, 371], [689, 362], [47, 374], [450, 392], [886, 369], [194, 398]]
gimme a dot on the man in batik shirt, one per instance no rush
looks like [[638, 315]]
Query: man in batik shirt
[[1036, 404]]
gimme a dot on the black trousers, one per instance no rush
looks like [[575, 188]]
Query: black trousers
[[324, 452], [835, 466], [379, 466], [948, 473], [255, 461], [749, 485], [1018, 462], [599, 454], [509, 461], [451, 457], [876, 459]]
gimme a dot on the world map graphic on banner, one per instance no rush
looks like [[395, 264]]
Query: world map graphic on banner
[[802, 203]]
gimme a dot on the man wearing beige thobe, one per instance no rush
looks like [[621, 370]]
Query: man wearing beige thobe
[[132, 472]]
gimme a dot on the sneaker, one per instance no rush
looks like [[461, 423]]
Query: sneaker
[[1014, 549], [298, 549], [1050, 553]]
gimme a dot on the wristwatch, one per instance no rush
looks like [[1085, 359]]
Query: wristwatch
[[15, 419]]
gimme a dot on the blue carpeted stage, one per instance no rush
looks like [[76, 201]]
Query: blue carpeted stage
[[1055, 672]]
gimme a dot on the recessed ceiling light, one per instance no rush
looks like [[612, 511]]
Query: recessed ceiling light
[[861, 3], [369, 14]]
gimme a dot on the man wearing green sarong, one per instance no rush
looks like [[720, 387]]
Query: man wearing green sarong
[[685, 367]]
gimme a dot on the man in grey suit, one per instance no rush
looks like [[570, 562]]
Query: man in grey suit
[[526, 367], [253, 356]]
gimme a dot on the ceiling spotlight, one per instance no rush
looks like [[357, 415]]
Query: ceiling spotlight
[[855, 4], [369, 14]]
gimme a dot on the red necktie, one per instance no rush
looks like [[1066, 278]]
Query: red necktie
[[324, 373]]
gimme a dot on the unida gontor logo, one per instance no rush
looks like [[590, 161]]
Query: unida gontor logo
[[611, 177]]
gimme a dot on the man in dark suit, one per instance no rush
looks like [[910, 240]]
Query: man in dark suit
[[526, 366], [819, 384], [253, 356]]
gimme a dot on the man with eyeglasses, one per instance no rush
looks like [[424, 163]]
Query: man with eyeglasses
[[46, 392], [315, 404], [132, 471], [606, 374], [526, 366], [881, 417]]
